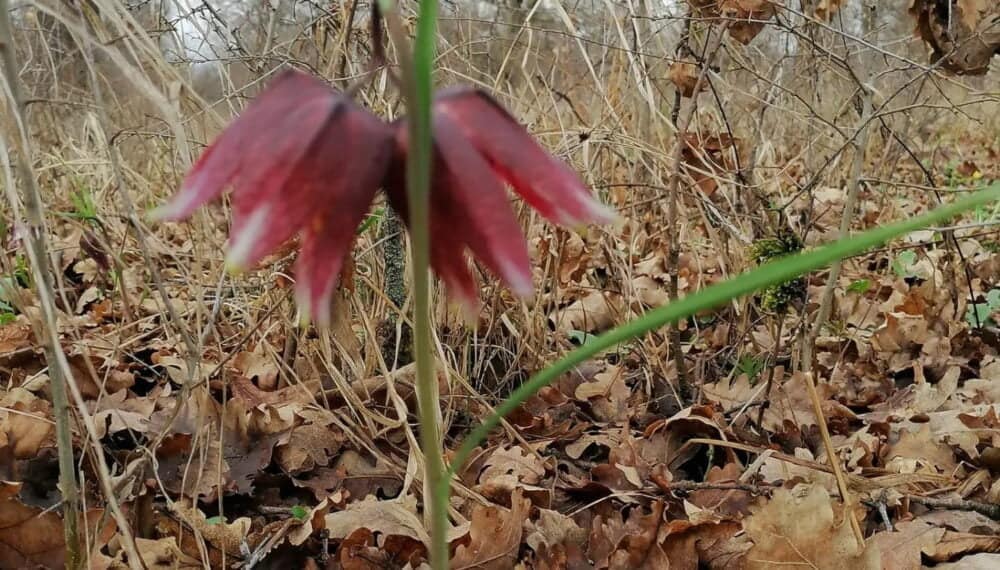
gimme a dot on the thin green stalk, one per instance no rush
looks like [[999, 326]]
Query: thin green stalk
[[773, 273], [416, 76]]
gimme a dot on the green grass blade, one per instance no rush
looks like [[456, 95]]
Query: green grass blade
[[773, 273]]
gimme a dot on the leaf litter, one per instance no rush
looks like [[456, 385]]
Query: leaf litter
[[283, 445]]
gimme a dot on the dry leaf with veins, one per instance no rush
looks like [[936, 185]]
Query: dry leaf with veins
[[608, 395], [494, 536], [805, 527]]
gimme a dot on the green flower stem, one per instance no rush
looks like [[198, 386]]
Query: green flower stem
[[767, 275], [417, 80]]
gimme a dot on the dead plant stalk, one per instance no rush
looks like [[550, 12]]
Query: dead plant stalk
[[860, 144], [60, 375]]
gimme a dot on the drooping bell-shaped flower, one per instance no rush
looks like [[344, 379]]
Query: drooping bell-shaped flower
[[301, 159], [304, 159], [478, 147]]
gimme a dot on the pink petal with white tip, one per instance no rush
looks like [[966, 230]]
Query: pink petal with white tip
[[543, 181], [471, 200]]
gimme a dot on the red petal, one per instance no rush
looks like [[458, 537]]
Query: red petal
[[298, 149], [470, 202], [543, 181], [340, 184], [447, 254], [336, 172], [239, 147]]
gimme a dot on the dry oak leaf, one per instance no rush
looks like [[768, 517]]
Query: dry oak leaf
[[158, 554], [29, 537], [397, 517], [494, 536], [258, 364], [804, 527], [310, 444], [901, 548], [608, 395], [594, 313], [25, 425]]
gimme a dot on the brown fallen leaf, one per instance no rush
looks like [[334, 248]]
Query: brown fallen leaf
[[608, 395], [955, 544], [684, 75], [900, 549], [494, 536], [804, 527], [397, 517], [594, 313], [25, 423], [31, 537], [311, 444]]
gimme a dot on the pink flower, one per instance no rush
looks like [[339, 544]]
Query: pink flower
[[304, 159], [301, 158]]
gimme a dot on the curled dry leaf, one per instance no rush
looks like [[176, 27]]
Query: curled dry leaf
[[594, 313], [494, 536]]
